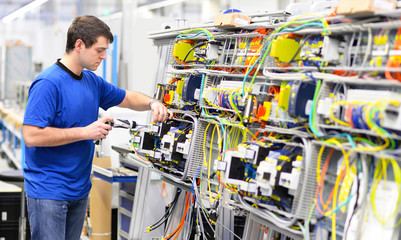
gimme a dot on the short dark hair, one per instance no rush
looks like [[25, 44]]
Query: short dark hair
[[88, 29]]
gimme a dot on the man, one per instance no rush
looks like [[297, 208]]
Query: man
[[60, 124]]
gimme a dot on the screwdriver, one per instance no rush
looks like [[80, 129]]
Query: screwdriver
[[118, 123]]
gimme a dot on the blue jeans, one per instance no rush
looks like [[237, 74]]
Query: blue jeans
[[54, 219]]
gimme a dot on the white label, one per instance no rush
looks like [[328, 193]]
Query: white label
[[154, 128], [221, 166], [240, 21], [376, 53], [244, 186], [252, 188], [136, 139], [3, 216], [383, 4], [308, 107], [157, 155], [395, 53], [197, 94], [241, 51]]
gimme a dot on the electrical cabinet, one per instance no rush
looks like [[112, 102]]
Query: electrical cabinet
[[288, 126]]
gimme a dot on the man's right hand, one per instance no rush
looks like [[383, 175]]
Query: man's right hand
[[99, 129]]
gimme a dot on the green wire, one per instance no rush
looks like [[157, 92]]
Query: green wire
[[364, 140], [313, 110], [235, 107], [195, 30], [309, 217], [260, 64], [270, 44], [384, 132]]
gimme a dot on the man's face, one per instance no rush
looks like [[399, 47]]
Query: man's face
[[90, 58]]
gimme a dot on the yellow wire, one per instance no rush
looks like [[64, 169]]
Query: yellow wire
[[380, 172], [204, 144], [237, 135], [204, 151], [332, 115], [210, 162], [218, 154], [338, 179], [376, 104], [207, 100], [253, 135], [374, 149]]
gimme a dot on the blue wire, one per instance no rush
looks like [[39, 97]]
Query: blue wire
[[311, 116], [176, 166], [348, 137], [179, 36], [192, 186], [343, 204], [300, 27], [175, 128], [200, 31]]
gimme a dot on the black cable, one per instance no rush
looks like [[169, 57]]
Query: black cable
[[190, 50], [167, 214], [299, 48]]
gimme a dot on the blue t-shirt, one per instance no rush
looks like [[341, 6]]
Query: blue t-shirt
[[59, 98]]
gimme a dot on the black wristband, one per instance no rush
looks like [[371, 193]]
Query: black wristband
[[152, 101]]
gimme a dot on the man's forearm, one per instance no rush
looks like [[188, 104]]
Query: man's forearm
[[136, 101], [50, 136]]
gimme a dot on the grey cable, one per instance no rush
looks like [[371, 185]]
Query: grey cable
[[348, 62], [229, 230], [368, 50], [271, 217], [357, 48], [191, 150]]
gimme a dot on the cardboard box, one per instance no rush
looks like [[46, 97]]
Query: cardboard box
[[231, 20], [100, 204], [347, 7]]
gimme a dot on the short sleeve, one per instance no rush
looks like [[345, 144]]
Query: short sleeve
[[42, 104], [110, 95]]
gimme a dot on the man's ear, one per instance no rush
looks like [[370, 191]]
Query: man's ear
[[79, 45]]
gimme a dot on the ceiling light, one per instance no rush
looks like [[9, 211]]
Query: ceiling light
[[159, 4], [21, 11]]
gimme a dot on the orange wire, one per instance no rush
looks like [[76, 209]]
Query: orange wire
[[254, 136], [321, 185], [185, 214], [222, 183], [183, 218], [323, 176], [325, 166], [255, 106], [392, 63], [146, 160], [341, 178], [164, 192], [348, 113]]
